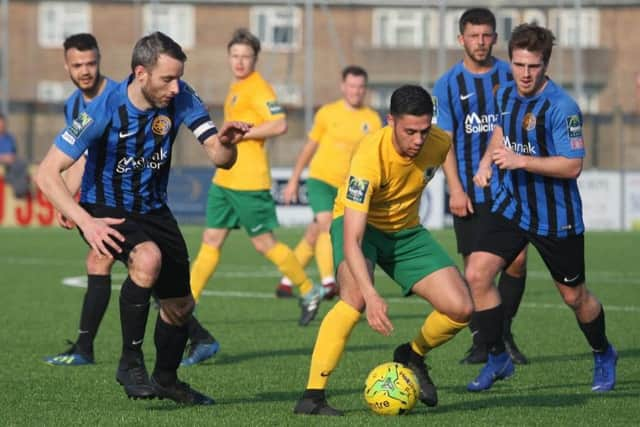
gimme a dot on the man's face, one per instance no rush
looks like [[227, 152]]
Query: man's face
[[477, 41], [83, 67], [242, 60], [528, 71], [159, 84], [354, 89], [410, 133]]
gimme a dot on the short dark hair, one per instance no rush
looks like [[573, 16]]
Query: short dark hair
[[354, 70], [150, 47], [477, 16], [411, 99], [244, 36], [533, 38], [81, 41]]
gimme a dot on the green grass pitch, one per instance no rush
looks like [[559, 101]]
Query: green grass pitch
[[262, 366]]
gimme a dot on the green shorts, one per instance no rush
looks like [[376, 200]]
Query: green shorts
[[321, 195], [407, 256], [255, 211]]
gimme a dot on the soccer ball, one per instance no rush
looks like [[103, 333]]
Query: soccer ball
[[391, 389]]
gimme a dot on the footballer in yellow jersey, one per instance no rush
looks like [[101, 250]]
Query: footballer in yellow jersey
[[376, 222], [337, 129], [240, 196]]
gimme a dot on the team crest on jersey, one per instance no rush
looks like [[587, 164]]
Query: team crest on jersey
[[79, 124], [529, 122], [574, 126], [234, 99], [161, 125], [357, 189], [365, 127], [429, 173], [274, 107]]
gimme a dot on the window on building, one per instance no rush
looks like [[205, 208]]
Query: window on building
[[452, 27], [534, 16], [380, 95], [175, 20], [506, 21], [53, 91], [278, 28], [397, 27], [58, 20], [571, 30], [288, 93]]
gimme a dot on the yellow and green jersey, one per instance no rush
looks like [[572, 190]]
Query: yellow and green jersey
[[338, 128], [386, 185], [250, 100]]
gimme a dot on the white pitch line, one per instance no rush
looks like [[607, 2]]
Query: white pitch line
[[81, 282]]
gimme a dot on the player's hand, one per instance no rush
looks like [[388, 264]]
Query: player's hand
[[482, 178], [505, 158], [101, 236], [460, 204], [233, 132], [290, 193], [376, 309], [64, 222]]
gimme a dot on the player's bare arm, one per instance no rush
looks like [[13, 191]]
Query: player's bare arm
[[355, 223], [72, 178], [459, 202], [482, 178], [555, 166], [291, 190], [268, 129], [221, 147], [96, 231]]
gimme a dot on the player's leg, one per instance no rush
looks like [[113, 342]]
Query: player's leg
[[94, 305], [498, 244], [220, 218], [334, 332], [565, 260], [511, 287], [202, 344], [324, 254], [303, 252], [176, 307], [419, 265]]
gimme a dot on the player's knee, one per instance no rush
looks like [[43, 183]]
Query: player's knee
[[98, 264], [145, 261], [518, 267], [574, 297], [476, 278], [177, 311]]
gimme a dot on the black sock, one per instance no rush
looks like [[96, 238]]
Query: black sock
[[197, 332], [313, 394], [511, 290], [594, 331], [134, 309], [473, 327], [170, 343], [490, 328], [96, 301]]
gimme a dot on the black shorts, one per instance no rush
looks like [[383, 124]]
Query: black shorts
[[564, 257], [468, 228], [157, 226]]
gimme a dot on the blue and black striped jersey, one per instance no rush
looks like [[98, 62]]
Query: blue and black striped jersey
[[545, 125], [130, 149], [76, 103], [464, 105]]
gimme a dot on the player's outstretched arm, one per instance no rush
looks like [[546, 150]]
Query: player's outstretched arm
[[291, 190], [268, 129], [355, 223], [221, 147], [555, 166], [96, 231]]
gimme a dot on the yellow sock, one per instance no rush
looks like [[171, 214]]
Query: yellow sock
[[324, 255], [436, 330], [288, 264], [332, 337], [203, 268], [303, 252]]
